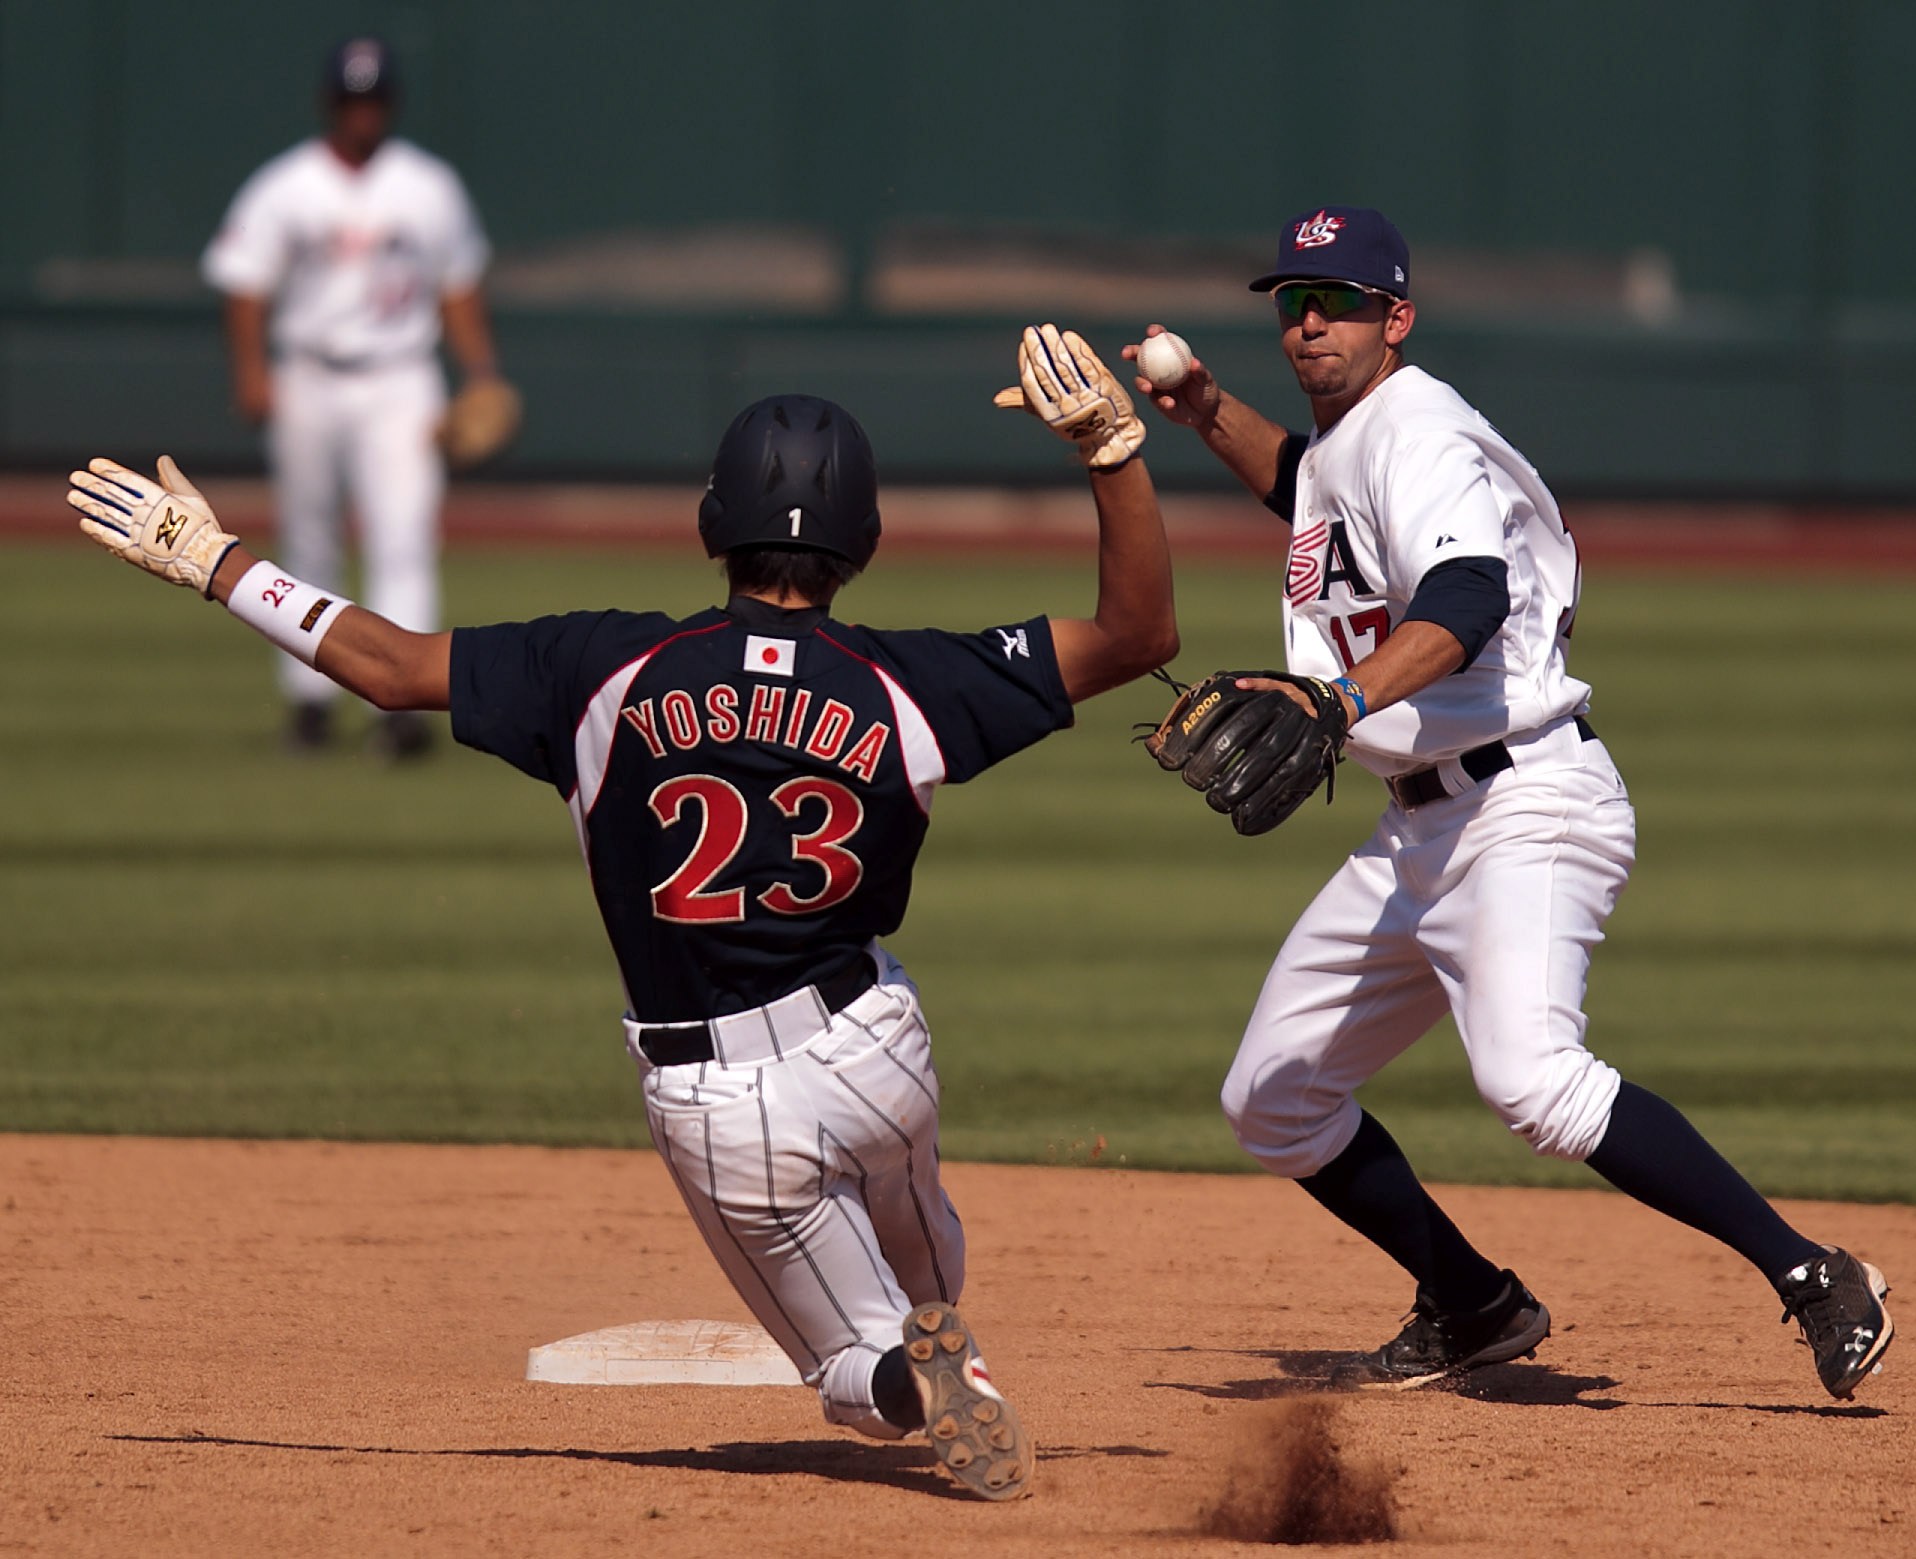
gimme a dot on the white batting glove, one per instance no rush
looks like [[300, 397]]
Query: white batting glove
[[1065, 384], [165, 527]]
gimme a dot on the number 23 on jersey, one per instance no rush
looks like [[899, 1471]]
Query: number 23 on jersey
[[688, 897]]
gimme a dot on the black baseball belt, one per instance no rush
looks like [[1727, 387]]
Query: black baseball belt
[[683, 1044], [363, 364], [1424, 785]]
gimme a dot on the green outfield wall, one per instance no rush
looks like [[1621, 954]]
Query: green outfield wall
[[1667, 248]]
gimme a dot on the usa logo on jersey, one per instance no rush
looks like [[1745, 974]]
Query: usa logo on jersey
[[1306, 569], [1315, 232]]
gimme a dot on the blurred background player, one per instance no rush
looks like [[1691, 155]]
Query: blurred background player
[[751, 787], [341, 260]]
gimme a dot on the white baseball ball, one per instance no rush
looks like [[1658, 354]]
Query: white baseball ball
[[1164, 360]]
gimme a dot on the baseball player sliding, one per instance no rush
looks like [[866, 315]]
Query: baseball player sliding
[[750, 788], [1428, 603], [360, 246]]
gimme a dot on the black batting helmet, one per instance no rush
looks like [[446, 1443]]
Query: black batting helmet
[[793, 471]]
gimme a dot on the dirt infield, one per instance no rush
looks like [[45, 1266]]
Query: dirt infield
[[306, 1348]]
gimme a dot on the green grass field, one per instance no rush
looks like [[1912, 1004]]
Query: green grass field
[[201, 935]]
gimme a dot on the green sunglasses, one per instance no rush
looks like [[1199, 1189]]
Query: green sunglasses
[[1332, 299]]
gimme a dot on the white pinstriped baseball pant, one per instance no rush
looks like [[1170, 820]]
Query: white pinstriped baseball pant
[[814, 1179], [370, 432]]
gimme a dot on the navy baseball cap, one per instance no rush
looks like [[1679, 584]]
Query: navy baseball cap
[[361, 67], [1342, 243]]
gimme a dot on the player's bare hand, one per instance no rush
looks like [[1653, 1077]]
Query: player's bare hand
[[1193, 402], [1297, 696], [165, 527], [1290, 690]]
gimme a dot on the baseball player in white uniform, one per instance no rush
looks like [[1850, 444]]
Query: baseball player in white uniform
[[359, 246], [1431, 580]]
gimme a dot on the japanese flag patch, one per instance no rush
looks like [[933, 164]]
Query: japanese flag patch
[[769, 657]]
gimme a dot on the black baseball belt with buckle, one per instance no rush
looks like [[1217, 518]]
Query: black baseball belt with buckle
[[1424, 785], [685, 1044]]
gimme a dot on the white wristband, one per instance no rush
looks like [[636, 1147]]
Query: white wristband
[[290, 612]]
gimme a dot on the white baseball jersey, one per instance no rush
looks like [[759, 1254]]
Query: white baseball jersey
[[1486, 902], [1411, 477], [356, 259]]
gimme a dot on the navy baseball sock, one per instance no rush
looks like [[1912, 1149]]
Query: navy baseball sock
[[1651, 1152], [895, 1394], [1371, 1186]]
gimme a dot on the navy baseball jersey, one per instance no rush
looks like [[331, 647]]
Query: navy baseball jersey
[[751, 785]]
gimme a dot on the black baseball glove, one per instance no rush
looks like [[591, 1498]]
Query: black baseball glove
[[1253, 751]]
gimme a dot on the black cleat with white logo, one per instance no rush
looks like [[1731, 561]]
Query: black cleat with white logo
[[1437, 1344], [1838, 1302]]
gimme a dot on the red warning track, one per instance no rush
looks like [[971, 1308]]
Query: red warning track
[[1762, 537]]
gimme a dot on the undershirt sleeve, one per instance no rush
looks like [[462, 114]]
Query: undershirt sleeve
[[1468, 598], [1281, 500]]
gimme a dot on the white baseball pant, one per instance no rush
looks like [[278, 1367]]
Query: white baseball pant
[[813, 1176], [1486, 903], [370, 432]]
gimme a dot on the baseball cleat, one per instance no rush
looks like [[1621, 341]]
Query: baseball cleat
[[972, 1428], [309, 727], [1838, 1302], [1437, 1344], [402, 735]]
